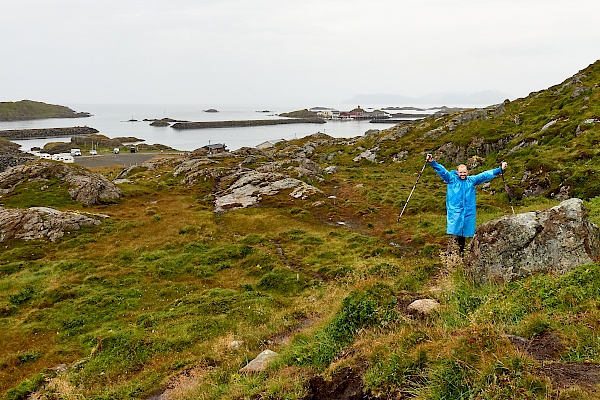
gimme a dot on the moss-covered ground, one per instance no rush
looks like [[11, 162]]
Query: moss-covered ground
[[167, 294]]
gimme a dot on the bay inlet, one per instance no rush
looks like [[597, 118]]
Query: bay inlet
[[133, 120]]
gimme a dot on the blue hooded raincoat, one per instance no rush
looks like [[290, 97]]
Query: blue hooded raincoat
[[460, 198]]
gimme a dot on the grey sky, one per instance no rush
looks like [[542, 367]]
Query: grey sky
[[276, 52]]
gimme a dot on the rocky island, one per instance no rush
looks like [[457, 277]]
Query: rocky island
[[28, 110]]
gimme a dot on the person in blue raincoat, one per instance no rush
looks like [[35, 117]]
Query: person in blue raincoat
[[460, 198]]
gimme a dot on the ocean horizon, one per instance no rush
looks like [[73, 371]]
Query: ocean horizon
[[131, 120]]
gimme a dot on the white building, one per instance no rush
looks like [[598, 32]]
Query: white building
[[325, 112]]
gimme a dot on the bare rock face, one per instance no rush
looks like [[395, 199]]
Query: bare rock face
[[249, 186], [558, 239], [300, 167], [40, 223], [241, 187], [86, 187]]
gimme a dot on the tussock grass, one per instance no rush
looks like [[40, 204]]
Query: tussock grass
[[167, 295]]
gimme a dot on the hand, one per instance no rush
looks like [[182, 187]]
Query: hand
[[503, 165], [429, 158]]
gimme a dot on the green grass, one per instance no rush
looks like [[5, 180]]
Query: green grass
[[53, 193], [164, 287], [373, 306]]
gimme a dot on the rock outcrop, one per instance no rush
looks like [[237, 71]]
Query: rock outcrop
[[40, 223], [298, 167], [558, 239], [11, 155], [249, 186], [7, 161], [86, 187], [241, 187], [369, 155]]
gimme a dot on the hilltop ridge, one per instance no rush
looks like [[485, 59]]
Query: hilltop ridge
[[481, 97]]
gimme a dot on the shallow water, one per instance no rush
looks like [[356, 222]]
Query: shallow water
[[113, 120]]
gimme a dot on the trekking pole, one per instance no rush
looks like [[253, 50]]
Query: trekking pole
[[507, 192], [411, 192]]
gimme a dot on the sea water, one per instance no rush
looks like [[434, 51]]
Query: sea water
[[127, 120]]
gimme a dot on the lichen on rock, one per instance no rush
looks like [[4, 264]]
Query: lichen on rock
[[40, 223], [86, 187], [558, 239]]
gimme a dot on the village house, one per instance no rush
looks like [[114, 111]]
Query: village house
[[215, 148]]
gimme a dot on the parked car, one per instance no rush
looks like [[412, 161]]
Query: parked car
[[75, 152], [93, 152], [116, 150]]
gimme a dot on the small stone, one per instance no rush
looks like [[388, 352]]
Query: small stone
[[260, 363], [423, 306], [235, 344], [60, 369]]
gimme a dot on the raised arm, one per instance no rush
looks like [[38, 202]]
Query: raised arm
[[438, 168], [490, 174]]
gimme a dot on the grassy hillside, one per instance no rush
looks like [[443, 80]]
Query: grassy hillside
[[166, 296], [550, 138], [27, 109]]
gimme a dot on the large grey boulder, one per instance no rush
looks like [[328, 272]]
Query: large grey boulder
[[558, 239], [86, 187], [40, 223]]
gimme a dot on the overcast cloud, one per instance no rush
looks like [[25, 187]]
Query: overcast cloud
[[287, 52]]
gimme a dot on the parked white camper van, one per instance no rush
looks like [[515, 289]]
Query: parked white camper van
[[75, 152], [64, 157]]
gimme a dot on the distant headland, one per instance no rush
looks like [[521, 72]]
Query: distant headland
[[28, 110]]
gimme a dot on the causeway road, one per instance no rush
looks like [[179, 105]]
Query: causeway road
[[122, 159]]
